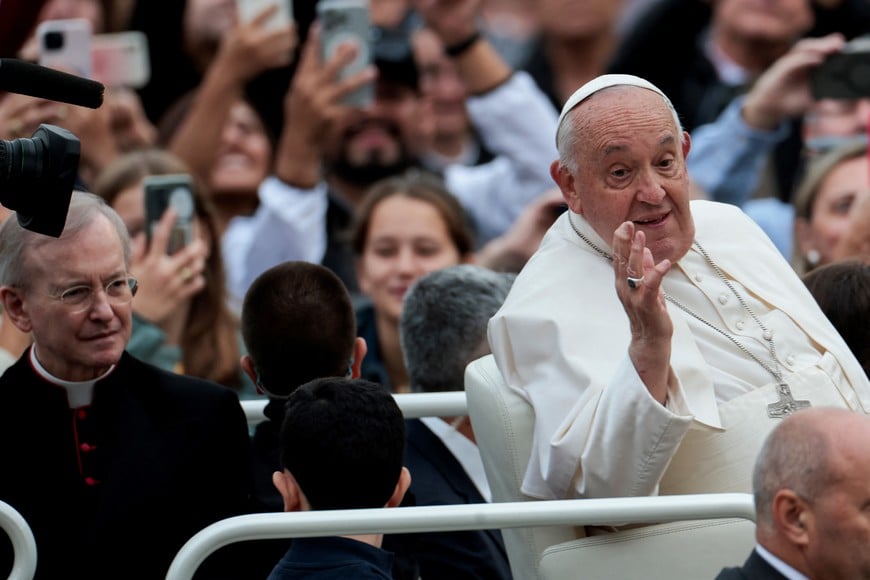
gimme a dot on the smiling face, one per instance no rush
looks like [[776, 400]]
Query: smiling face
[[369, 144], [406, 239], [832, 205], [631, 166], [244, 154]]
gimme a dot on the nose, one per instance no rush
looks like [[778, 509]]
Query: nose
[[230, 135], [649, 187], [406, 262], [100, 308]]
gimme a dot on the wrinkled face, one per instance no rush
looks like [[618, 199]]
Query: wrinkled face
[[837, 193], [407, 238], [839, 527], [72, 345], [631, 167], [244, 155], [764, 20], [441, 84], [378, 141]]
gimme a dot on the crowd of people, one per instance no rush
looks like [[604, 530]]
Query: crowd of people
[[660, 231]]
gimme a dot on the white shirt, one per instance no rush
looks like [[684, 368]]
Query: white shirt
[[464, 450], [780, 566]]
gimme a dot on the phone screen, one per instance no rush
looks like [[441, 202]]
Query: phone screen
[[162, 192]]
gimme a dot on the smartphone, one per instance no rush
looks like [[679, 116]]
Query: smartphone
[[162, 192], [348, 21], [66, 45], [845, 74], [247, 10], [121, 59]]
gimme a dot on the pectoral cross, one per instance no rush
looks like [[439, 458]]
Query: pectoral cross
[[786, 405]]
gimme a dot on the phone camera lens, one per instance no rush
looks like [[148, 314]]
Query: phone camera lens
[[54, 40]]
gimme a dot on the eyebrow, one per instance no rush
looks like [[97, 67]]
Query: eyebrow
[[664, 141]]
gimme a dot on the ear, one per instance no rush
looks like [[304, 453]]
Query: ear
[[687, 144], [565, 180], [401, 487], [247, 364], [803, 236], [362, 281], [360, 348], [15, 307], [286, 485], [792, 516]]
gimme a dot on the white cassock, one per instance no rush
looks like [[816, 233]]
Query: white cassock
[[561, 340]]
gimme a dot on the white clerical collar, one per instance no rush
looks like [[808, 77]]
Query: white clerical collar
[[78, 393], [780, 566]]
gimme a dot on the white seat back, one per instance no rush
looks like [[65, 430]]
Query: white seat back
[[503, 423]]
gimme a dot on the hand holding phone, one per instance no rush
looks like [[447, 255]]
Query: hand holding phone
[[845, 74], [162, 192]]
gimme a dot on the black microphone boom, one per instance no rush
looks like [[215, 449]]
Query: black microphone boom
[[26, 78]]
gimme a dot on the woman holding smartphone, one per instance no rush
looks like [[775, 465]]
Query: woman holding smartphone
[[181, 321]]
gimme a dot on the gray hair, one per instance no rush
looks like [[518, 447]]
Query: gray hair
[[443, 323], [15, 240], [567, 136]]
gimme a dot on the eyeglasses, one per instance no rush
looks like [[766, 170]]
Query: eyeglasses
[[79, 298]]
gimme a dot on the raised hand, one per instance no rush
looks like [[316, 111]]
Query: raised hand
[[165, 281], [638, 285]]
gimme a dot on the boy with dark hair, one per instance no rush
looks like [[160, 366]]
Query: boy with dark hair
[[298, 324], [334, 427]]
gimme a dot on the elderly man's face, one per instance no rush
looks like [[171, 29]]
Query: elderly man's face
[[838, 522], [72, 343], [631, 167]]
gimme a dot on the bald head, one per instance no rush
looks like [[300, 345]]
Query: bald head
[[567, 132], [807, 453]]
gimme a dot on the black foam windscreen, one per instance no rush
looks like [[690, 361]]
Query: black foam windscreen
[[26, 78]]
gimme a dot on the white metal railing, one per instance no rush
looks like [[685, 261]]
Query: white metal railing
[[413, 405], [23, 542], [574, 512]]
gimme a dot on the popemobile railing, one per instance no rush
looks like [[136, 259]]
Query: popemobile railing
[[576, 512]]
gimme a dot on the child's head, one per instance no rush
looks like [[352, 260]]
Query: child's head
[[343, 443]]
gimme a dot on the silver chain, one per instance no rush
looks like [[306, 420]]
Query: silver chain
[[766, 334]]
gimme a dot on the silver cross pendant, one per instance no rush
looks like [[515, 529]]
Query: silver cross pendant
[[786, 405]]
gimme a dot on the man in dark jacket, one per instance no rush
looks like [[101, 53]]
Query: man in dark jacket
[[113, 463]]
